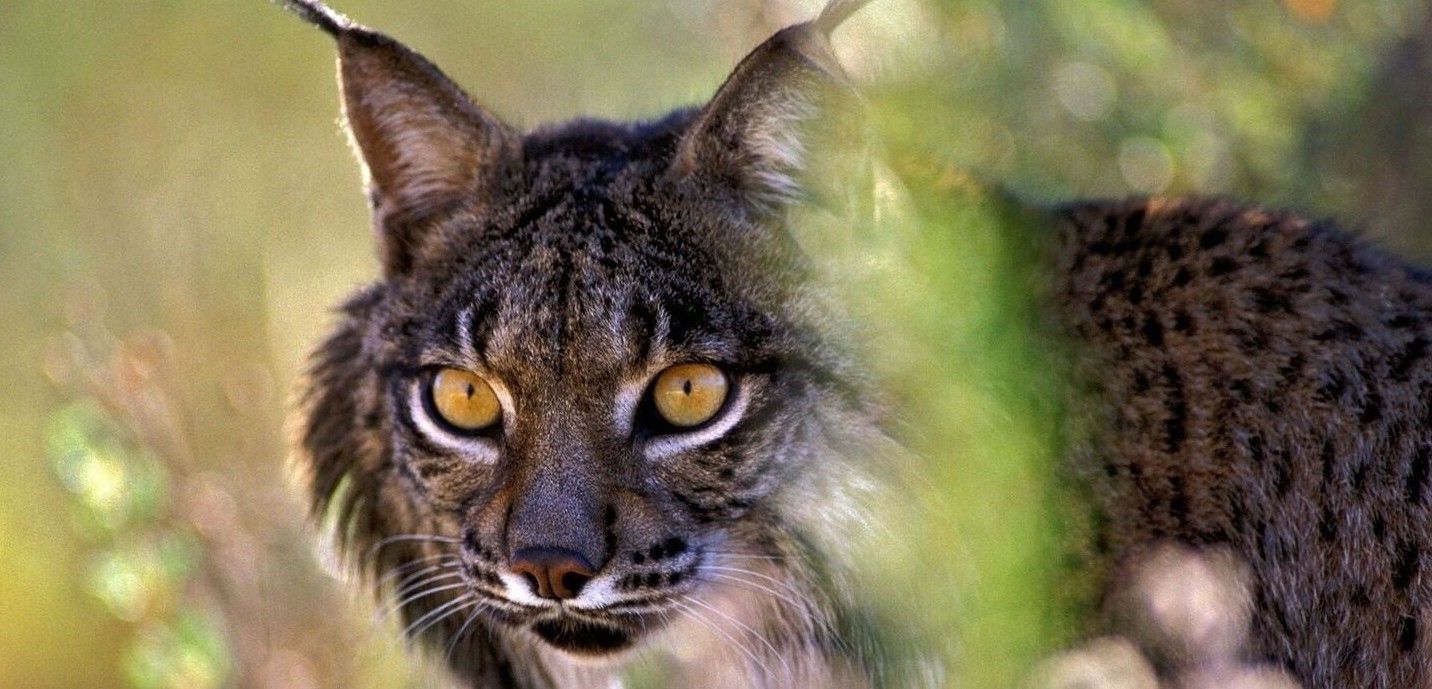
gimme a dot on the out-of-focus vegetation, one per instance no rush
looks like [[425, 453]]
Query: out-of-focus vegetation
[[178, 213]]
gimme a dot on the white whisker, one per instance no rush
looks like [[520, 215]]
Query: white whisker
[[411, 579], [725, 554], [708, 624], [452, 645], [421, 594], [399, 538], [412, 631], [797, 606], [781, 583], [790, 674], [395, 571]]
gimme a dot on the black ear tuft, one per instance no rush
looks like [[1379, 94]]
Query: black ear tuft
[[318, 14]]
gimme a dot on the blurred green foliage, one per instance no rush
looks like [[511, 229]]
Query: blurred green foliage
[[981, 394], [141, 562], [179, 213]]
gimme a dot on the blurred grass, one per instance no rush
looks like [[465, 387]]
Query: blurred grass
[[179, 212]]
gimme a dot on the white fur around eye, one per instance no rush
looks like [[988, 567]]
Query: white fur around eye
[[677, 442], [482, 450], [627, 402]]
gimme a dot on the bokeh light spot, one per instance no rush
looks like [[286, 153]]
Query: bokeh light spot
[[1086, 90], [1147, 164]]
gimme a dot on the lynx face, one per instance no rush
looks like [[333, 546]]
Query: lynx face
[[588, 385], [533, 382]]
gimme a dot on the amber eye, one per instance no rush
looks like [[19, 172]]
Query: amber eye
[[464, 400], [688, 395]]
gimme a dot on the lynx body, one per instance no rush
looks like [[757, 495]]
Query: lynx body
[[1268, 383], [593, 405]]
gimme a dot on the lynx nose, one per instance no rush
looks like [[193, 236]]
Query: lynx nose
[[553, 573]]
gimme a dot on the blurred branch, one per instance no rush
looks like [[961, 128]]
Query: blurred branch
[[209, 563]]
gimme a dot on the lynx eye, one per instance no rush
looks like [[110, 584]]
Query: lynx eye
[[688, 395], [464, 400]]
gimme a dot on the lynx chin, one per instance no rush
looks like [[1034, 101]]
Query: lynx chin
[[595, 406]]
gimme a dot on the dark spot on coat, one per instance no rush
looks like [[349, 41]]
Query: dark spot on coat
[[1222, 265], [1406, 565], [1409, 356], [1153, 330], [1416, 484], [1213, 237]]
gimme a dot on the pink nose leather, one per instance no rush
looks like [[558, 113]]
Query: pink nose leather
[[553, 573]]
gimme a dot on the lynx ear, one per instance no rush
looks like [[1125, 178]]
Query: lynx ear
[[425, 145], [775, 129]]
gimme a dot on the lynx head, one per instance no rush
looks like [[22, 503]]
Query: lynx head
[[590, 384]]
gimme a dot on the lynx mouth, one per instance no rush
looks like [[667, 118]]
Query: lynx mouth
[[582, 637]]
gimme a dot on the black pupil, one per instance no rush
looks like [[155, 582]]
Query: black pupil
[[470, 390], [686, 386]]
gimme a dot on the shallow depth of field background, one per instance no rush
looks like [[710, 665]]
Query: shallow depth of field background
[[179, 211]]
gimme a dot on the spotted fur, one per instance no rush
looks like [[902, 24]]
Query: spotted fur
[[1269, 383]]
